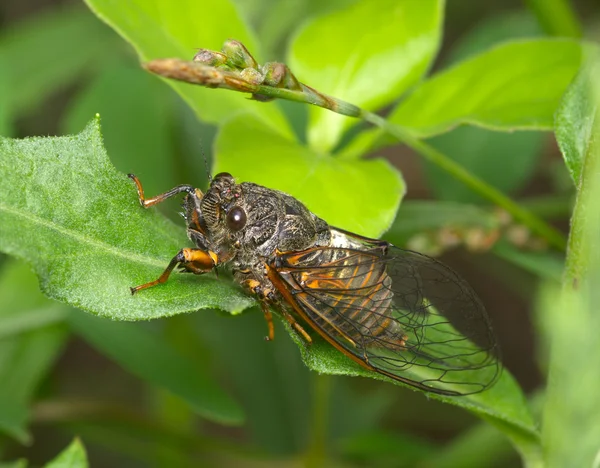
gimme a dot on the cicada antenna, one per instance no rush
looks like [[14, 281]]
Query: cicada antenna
[[206, 166], [203, 153]]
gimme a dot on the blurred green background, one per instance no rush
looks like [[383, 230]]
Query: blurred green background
[[60, 65]]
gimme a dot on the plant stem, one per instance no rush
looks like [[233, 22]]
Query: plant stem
[[317, 452], [205, 75], [537, 225], [557, 17]]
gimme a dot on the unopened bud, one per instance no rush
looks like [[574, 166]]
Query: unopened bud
[[252, 75], [210, 58], [237, 55]]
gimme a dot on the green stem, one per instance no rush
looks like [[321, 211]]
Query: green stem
[[205, 75], [317, 452], [557, 17], [537, 225]]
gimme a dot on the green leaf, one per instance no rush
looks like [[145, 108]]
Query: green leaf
[[504, 161], [368, 54], [164, 29], [503, 405], [497, 27], [280, 389], [50, 51], [543, 264], [570, 431], [388, 449], [13, 417], [137, 123], [6, 114], [575, 120], [73, 456], [516, 85], [361, 196], [21, 463], [77, 221], [37, 318], [151, 358], [569, 317], [30, 341]]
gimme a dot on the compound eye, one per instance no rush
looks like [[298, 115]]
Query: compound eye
[[236, 218], [223, 175]]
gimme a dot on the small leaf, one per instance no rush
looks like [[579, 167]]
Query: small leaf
[[21, 463], [360, 195], [67, 211], [30, 341], [149, 357], [73, 44], [516, 85], [13, 417], [575, 120], [137, 123], [280, 389], [6, 114], [368, 54], [387, 448], [168, 29], [73, 456]]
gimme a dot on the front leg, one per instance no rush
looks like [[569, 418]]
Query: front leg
[[196, 260]]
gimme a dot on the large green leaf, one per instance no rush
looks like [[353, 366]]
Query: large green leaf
[[516, 85], [368, 54], [30, 340], [360, 195], [65, 210], [164, 29], [503, 404], [150, 357], [73, 456], [504, 160]]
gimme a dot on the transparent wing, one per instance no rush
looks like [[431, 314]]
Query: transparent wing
[[397, 312]]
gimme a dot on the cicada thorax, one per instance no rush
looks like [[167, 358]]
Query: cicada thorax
[[347, 297]]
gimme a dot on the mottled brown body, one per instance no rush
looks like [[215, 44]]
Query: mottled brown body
[[396, 312]]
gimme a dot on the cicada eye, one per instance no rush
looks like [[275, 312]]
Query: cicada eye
[[236, 218], [223, 175]]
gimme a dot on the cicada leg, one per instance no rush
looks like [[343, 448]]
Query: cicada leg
[[269, 319], [147, 202], [199, 261], [292, 321]]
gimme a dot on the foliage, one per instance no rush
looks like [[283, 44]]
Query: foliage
[[68, 212]]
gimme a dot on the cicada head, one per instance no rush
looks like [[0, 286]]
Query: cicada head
[[250, 219], [215, 217]]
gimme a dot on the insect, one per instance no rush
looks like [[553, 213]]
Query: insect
[[393, 311]]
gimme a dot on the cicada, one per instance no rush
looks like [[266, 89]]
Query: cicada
[[395, 312]]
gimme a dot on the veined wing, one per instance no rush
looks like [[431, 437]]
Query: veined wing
[[397, 312]]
